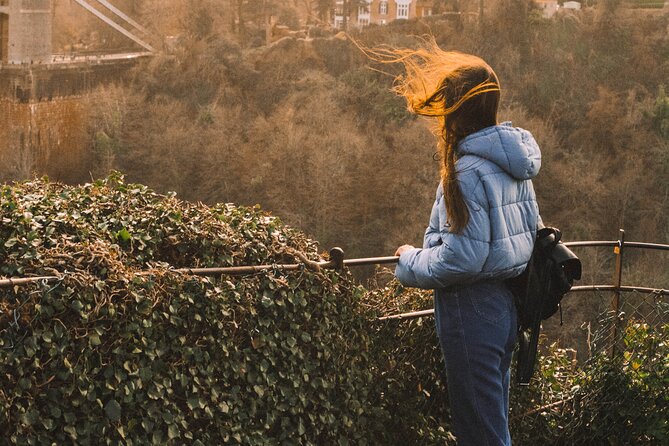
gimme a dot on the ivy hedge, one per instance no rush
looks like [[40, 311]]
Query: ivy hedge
[[123, 350], [110, 355]]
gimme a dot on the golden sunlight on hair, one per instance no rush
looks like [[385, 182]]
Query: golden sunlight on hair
[[429, 71]]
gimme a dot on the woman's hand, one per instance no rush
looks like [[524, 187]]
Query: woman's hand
[[402, 249]]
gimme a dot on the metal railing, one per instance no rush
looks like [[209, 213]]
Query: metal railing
[[337, 260], [619, 247]]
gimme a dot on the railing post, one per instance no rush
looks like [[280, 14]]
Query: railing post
[[617, 282], [337, 258]]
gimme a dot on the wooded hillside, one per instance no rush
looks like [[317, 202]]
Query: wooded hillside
[[309, 129]]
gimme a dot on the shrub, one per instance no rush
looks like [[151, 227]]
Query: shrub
[[108, 354], [409, 371], [623, 399]]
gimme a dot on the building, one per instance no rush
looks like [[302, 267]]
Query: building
[[574, 6], [548, 8], [381, 12], [19, 43]]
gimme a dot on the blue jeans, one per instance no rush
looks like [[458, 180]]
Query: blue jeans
[[476, 325]]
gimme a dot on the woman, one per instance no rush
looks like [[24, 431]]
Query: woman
[[482, 230]]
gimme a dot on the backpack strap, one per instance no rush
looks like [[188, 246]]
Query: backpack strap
[[548, 237]]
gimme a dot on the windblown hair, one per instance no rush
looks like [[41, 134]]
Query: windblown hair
[[458, 89]]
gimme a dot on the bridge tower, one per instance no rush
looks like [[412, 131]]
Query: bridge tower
[[25, 31]]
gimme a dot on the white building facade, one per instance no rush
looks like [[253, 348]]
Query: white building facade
[[381, 12]]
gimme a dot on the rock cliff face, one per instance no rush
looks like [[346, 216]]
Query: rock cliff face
[[44, 114], [43, 138]]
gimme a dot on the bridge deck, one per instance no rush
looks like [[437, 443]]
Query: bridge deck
[[64, 76]]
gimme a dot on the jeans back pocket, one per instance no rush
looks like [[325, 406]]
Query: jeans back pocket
[[490, 301]]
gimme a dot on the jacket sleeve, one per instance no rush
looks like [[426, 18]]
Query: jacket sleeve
[[432, 235], [458, 259]]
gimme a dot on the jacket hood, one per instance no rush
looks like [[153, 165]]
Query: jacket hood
[[511, 148]]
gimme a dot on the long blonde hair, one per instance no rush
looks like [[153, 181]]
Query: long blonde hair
[[460, 90]]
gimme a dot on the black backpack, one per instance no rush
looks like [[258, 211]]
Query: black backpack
[[549, 275]]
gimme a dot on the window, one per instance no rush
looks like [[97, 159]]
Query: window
[[363, 15], [402, 11], [383, 7]]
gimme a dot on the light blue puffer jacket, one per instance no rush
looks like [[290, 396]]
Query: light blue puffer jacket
[[494, 171]]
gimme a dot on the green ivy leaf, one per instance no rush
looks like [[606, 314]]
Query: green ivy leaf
[[113, 410], [123, 235], [94, 339], [172, 431]]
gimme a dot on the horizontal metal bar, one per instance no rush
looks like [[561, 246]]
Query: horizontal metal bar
[[237, 270], [371, 261], [663, 292], [240, 270], [412, 315], [595, 243], [337, 261], [638, 289], [592, 243], [8, 283], [647, 245]]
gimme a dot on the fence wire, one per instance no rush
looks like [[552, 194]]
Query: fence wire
[[601, 378], [617, 394]]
